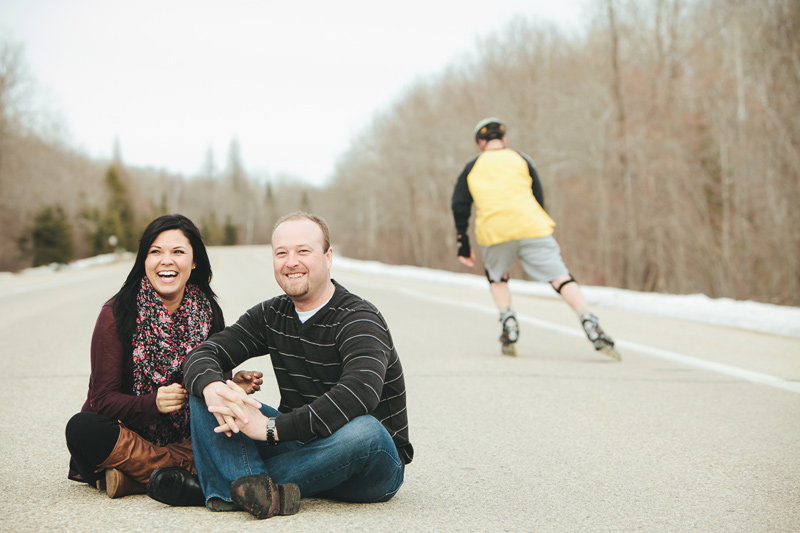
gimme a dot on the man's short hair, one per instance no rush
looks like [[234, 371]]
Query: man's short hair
[[316, 219]]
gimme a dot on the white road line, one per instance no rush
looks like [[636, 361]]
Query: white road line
[[728, 370], [741, 373]]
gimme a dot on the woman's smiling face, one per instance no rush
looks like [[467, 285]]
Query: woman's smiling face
[[168, 266]]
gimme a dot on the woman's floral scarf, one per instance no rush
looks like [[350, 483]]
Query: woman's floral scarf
[[160, 345]]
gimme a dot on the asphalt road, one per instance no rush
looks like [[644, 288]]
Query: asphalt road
[[697, 429]]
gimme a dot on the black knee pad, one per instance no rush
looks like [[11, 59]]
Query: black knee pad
[[504, 279], [570, 280]]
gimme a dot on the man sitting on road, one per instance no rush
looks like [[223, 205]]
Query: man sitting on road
[[341, 429]]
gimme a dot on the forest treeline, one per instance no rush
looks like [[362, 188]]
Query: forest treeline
[[666, 139], [664, 135]]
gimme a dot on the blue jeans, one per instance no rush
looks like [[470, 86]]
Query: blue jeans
[[358, 463]]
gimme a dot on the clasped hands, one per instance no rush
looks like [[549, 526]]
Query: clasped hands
[[171, 398], [234, 410]]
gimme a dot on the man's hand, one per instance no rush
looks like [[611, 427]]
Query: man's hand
[[227, 402], [170, 398], [465, 253], [249, 381], [254, 427]]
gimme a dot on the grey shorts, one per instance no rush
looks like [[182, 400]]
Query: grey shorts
[[540, 258]]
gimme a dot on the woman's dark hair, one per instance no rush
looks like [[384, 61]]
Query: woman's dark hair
[[124, 307]]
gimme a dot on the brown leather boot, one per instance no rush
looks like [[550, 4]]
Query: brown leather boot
[[119, 485], [137, 458]]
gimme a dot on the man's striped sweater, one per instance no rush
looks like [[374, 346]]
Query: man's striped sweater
[[341, 363]]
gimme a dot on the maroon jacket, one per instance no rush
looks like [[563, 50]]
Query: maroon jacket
[[111, 391], [111, 382]]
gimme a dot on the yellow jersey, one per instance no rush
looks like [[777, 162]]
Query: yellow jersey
[[503, 184]]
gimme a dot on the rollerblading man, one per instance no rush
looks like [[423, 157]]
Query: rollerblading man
[[511, 223]]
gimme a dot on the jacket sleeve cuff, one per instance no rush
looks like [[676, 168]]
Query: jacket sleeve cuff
[[203, 380], [284, 423], [152, 414]]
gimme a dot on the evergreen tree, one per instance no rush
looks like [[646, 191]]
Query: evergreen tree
[[305, 203], [98, 240], [231, 232], [269, 201], [209, 168], [163, 207], [235, 173], [119, 219], [210, 229], [50, 237]]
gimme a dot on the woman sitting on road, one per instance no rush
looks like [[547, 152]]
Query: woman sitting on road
[[136, 415]]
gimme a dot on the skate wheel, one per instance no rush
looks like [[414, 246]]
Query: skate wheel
[[608, 350], [510, 349]]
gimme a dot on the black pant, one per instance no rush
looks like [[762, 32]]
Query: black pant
[[91, 439]]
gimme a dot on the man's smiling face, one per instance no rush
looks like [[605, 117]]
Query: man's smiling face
[[302, 267]]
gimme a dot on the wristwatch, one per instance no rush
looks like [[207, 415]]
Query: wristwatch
[[271, 432]]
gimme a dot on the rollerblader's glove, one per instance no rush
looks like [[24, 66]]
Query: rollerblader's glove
[[463, 245]]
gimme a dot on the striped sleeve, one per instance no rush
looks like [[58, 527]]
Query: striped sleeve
[[224, 351], [365, 346]]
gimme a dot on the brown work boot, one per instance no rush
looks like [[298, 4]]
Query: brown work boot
[[119, 485], [262, 498]]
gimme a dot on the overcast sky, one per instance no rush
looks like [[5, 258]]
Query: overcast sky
[[292, 81]]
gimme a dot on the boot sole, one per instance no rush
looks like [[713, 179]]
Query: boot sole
[[119, 485], [290, 499], [256, 494]]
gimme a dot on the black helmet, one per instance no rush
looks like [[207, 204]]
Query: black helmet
[[490, 128]]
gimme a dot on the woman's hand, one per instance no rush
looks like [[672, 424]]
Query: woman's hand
[[249, 381], [170, 398]]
